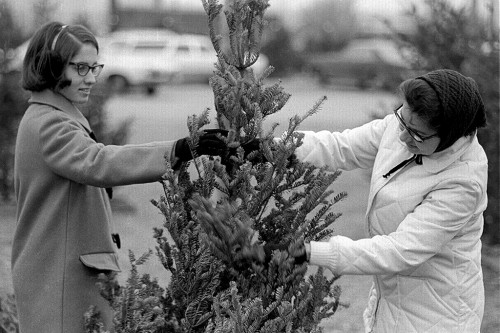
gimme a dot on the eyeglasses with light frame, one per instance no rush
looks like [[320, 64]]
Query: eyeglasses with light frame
[[83, 69], [417, 137]]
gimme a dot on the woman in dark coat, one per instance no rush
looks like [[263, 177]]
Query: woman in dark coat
[[64, 229]]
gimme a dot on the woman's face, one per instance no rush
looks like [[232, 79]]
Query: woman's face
[[79, 90], [419, 127]]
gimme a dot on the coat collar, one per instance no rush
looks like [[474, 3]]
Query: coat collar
[[49, 97], [441, 160]]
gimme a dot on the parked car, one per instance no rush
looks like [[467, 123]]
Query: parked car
[[135, 58], [368, 63], [175, 57], [195, 57]]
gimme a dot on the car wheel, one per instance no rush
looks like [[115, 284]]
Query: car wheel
[[150, 90], [117, 84]]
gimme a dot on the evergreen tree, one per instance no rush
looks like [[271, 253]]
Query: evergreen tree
[[12, 101], [221, 213]]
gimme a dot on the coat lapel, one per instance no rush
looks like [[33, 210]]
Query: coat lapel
[[48, 97], [433, 163]]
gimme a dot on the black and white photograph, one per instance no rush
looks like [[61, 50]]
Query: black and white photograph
[[265, 166]]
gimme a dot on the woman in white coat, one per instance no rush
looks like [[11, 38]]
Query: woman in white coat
[[425, 207], [64, 236]]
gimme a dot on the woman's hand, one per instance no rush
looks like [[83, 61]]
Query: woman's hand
[[209, 143], [297, 250]]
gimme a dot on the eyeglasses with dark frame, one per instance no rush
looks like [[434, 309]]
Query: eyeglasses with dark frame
[[83, 69], [415, 136]]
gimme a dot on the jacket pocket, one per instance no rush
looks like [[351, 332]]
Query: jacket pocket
[[418, 296], [106, 261]]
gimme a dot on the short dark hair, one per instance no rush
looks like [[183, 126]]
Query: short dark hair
[[449, 101], [423, 101], [50, 50]]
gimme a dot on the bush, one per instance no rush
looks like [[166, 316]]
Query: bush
[[13, 103]]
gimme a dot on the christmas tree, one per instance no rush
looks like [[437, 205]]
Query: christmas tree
[[220, 213]]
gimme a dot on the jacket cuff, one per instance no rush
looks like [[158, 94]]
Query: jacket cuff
[[324, 254], [175, 162]]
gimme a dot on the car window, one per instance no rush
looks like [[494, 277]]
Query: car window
[[183, 48], [117, 45], [205, 49], [149, 47]]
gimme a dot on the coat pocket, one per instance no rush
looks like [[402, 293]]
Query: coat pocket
[[424, 307], [106, 261]]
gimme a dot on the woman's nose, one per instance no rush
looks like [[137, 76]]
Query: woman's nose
[[90, 78]]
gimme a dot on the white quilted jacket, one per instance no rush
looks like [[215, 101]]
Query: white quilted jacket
[[424, 224]]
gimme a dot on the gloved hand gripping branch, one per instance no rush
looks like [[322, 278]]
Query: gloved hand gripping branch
[[297, 251], [211, 143]]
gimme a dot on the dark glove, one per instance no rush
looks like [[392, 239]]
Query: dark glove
[[254, 145], [208, 144], [298, 253], [291, 161], [250, 147]]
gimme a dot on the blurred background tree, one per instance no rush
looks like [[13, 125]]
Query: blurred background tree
[[277, 44], [329, 25], [465, 40], [12, 102]]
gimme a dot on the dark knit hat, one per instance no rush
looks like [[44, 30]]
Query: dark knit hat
[[461, 104]]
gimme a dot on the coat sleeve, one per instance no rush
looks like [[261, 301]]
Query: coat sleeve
[[422, 234], [69, 152], [347, 150]]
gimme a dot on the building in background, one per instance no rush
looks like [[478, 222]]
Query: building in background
[[103, 16], [188, 16]]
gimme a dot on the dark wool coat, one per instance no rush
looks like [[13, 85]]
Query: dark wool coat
[[63, 235]]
